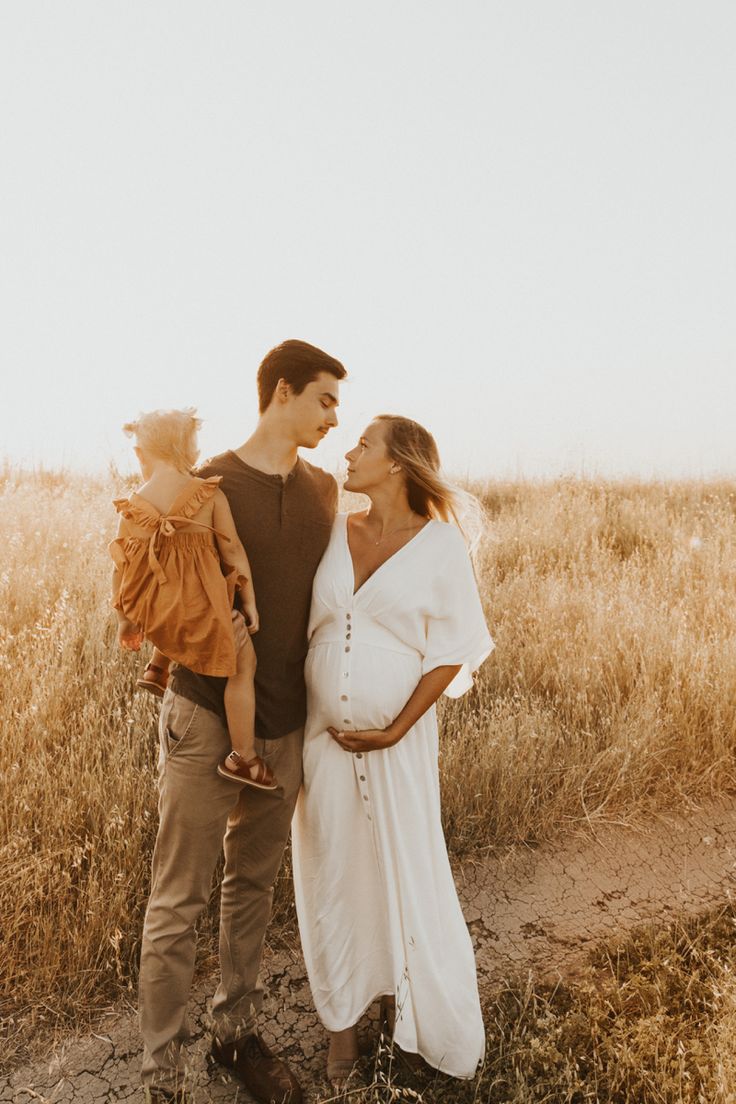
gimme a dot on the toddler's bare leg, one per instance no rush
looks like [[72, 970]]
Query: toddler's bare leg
[[240, 702], [243, 765]]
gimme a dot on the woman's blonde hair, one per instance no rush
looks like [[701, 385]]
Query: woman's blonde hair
[[430, 495], [170, 435]]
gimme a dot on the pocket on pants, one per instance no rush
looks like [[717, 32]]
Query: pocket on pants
[[177, 717]]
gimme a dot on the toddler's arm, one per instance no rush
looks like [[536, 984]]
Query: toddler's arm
[[233, 554], [130, 636]]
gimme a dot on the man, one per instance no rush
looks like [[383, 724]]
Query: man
[[283, 509]]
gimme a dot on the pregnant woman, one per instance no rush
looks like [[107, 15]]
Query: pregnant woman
[[396, 621]]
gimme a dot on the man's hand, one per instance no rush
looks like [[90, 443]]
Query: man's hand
[[251, 615], [240, 630], [368, 739], [130, 636]]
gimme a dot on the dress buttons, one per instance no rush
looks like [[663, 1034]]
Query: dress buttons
[[343, 697], [359, 755], [348, 636], [347, 649], [348, 616], [346, 720], [362, 778], [365, 797]]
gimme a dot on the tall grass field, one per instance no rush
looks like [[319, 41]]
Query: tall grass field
[[611, 693]]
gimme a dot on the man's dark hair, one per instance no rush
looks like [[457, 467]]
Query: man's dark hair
[[296, 362]]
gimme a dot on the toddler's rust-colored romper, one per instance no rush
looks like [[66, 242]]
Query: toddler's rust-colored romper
[[172, 582]]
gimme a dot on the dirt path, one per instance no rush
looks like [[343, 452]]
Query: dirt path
[[541, 910]]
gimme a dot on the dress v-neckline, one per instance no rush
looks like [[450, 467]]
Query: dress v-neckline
[[381, 566]]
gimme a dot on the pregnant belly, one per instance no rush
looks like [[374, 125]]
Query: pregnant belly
[[375, 689]]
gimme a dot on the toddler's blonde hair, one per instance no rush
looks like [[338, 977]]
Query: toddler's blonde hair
[[170, 435]]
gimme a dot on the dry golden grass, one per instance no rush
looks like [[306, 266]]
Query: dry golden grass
[[613, 686], [612, 690], [77, 799], [649, 1022]]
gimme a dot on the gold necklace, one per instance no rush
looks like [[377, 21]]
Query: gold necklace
[[392, 532]]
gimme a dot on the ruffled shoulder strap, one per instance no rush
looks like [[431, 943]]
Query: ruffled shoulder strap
[[192, 498], [138, 511]]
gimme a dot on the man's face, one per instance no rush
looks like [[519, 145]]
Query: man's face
[[314, 413]]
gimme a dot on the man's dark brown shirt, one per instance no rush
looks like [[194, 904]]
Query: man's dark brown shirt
[[284, 525]]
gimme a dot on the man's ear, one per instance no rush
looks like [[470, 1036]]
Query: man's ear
[[282, 390]]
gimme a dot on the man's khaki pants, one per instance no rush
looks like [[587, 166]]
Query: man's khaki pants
[[201, 813]]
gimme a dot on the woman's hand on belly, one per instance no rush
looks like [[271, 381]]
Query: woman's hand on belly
[[426, 693], [368, 739]]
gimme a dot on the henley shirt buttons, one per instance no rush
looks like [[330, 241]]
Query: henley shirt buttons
[[347, 649], [343, 697], [359, 755], [362, 778]]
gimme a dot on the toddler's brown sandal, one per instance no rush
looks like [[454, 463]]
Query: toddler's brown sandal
[[154, 680], [248, 772]]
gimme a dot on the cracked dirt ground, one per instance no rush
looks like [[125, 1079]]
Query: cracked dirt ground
[[539, 909]]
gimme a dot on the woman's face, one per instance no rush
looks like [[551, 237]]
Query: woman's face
[[369, 464]]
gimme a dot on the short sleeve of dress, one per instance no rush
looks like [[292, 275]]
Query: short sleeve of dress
[[456, 628]]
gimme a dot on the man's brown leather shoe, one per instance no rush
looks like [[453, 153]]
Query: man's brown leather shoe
[[265, 1076]]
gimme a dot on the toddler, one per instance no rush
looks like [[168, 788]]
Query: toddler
[[168, 581]]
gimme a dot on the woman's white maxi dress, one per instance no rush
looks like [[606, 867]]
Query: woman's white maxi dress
[[377, 905]]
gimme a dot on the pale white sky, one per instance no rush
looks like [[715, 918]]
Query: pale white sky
[[515, 222]]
